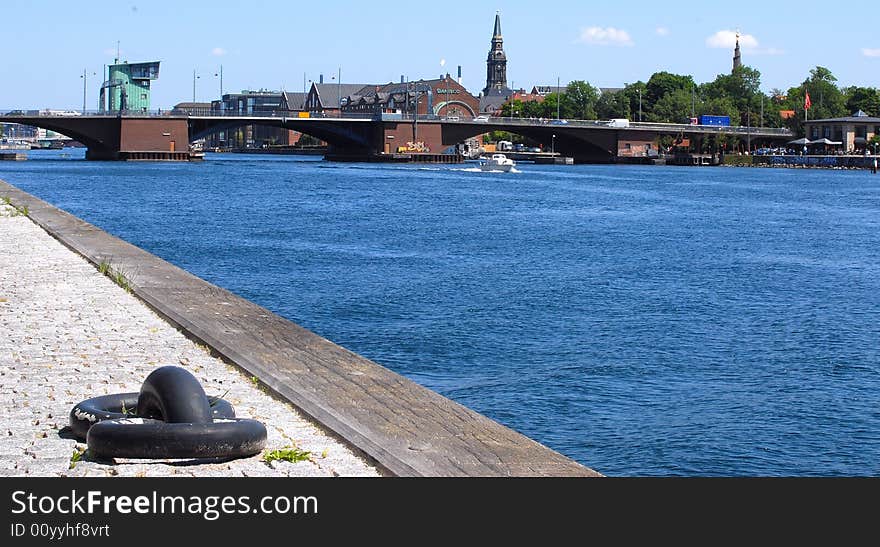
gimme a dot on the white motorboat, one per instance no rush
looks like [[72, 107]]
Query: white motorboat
[[498, 162]]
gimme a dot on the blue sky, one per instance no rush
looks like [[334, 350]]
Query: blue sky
[[274, 45]]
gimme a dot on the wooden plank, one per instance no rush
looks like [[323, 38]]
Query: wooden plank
[[406, 428]]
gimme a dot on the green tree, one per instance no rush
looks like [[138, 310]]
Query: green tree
[[866, 99], [673, 107], [613, 105], [580, 100], [742, 88], [512, 109], [664, 83], [827, 101], [634, 94], [548, 106]]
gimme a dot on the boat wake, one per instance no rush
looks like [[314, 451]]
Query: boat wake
[[478, 170]]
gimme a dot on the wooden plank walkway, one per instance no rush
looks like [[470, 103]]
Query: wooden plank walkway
[[407, 429]]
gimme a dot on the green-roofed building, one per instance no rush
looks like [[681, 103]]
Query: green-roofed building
[[128, 87]]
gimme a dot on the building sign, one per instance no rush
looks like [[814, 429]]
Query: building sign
[[450, 91]]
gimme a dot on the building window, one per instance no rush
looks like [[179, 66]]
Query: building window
[[861, 131]]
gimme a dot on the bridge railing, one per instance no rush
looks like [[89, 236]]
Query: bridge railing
[[662, 127], [199, 112]]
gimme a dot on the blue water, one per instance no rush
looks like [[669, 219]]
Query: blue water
[[645, 321]]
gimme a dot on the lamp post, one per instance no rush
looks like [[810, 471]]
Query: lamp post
[[194, 85], [84, 78], [221, 81], [762, 109], [749, 130], [553, 146], [640, 105], [558, 98]]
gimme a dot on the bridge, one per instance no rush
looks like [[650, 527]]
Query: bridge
[[165, 136]]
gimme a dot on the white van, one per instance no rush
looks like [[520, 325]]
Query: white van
[[618, 122]]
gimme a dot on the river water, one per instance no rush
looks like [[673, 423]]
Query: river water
[[645, 321]]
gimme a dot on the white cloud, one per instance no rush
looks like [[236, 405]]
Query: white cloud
[[662, 31], [726, 39], [218, 52], [871, 52], [604, 37]]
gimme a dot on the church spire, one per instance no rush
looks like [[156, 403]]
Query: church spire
[[737, 56], [496, 63]]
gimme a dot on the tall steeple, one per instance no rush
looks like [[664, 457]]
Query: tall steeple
[[496, 64], [737, 56]]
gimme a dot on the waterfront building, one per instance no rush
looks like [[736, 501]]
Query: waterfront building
[[544, 90], [855, 132], [249, 103], [191, 109], [127, 87], [496, 92], [293, 104], [326, 99], [444, 97]]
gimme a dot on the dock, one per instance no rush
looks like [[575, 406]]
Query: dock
[[388, 424]]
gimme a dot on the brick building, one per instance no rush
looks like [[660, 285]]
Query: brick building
[[443, 97]]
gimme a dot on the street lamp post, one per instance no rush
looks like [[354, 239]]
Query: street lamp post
[[640, 105], [194, 85], [558, 98], [221, 81], [749, 130], [553, 146], [84, 78]]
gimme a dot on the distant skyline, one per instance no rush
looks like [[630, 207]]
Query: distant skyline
[[279, 45]]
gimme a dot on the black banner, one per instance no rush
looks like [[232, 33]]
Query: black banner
[[127, 511]]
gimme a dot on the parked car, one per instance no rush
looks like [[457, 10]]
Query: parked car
[[482, 118], [558, 122]]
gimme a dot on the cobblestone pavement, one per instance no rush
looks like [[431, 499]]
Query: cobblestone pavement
[[68, 333]]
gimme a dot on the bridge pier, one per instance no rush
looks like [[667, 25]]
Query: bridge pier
[[144, 139], [121, 138]]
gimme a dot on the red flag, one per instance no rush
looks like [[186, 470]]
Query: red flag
[[807, 102]]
